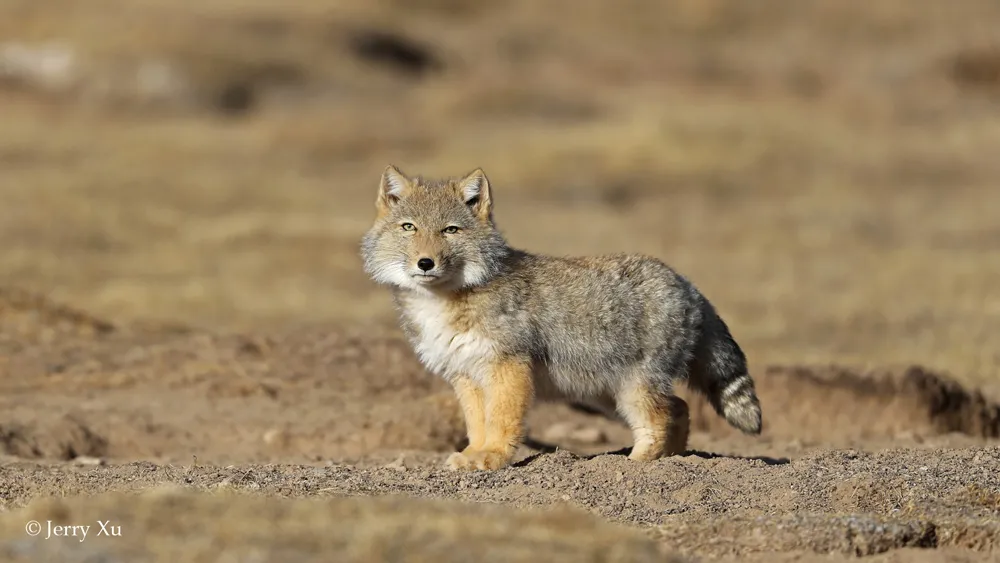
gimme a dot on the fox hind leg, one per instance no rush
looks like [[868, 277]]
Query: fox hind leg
[[659, 421]]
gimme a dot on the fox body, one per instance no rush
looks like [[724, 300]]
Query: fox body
[[505, 327]]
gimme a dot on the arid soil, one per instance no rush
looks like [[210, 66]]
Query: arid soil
[[190, 351], [850, 463]]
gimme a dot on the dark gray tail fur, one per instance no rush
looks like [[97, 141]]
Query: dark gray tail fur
[[718, 370]]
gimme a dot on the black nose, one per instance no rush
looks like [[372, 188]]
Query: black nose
[[425, 264]]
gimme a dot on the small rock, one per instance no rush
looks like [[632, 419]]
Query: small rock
[[88, 460], [397, 465]]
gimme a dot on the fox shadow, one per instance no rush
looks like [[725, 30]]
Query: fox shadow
[[545, 448]]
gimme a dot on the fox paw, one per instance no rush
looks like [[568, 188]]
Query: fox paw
[[645, 454], [477, 460]]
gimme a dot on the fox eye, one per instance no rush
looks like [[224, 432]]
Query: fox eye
[[408, 227], [450, 230]]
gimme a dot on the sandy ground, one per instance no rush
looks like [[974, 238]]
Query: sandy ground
[[190, 351]]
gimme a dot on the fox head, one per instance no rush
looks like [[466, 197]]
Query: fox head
[[433, 234]]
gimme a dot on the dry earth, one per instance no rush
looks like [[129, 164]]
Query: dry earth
[[850, 463], [190, 351]]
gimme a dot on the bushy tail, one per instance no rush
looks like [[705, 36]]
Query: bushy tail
[[718, 370]]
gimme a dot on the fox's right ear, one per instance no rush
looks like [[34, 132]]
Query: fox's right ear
[[392, 188]]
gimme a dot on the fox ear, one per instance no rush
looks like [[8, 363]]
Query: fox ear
[[392, 188], [475, 192]]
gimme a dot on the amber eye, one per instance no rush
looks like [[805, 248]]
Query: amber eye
[[408, 227], [450, 230]]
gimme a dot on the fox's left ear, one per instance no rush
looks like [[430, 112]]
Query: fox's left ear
[[475, 192]]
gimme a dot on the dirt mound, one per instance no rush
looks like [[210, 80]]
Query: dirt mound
[[853, 535], [24, 313], [65, 438], [838, 404]]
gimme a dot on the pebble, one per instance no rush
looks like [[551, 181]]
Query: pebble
[[88, 460]]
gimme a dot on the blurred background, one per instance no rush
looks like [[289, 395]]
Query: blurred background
[[826, 171]]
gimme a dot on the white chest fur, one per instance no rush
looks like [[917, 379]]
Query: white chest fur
[[447, 348]]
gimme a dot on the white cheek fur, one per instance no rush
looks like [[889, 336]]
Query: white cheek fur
[[473, 273]]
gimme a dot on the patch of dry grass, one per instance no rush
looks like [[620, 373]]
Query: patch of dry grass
[[980, 496], [173, 525]]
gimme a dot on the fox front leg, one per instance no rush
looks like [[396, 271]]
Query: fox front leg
[[508, 391], [471, 399]]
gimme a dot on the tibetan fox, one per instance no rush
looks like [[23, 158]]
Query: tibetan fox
[[505, 327]]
